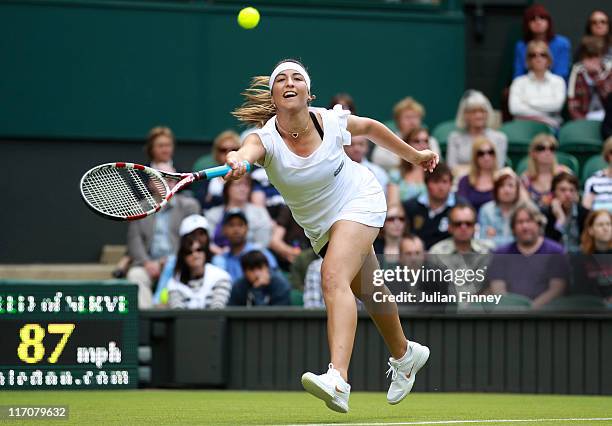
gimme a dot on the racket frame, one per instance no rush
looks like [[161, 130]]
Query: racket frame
[[184, 179]]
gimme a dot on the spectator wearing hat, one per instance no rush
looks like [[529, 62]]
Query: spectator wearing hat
[[151, 240], [235, 228], [260, 286], [196, 283], [196, 226]]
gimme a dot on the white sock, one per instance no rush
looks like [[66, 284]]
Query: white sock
[[406, 355]]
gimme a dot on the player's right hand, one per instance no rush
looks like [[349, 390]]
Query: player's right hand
[[238, 166]]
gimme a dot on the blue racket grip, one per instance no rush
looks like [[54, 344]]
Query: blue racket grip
[[214, 172]]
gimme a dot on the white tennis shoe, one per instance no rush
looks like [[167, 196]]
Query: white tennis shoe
[[330, 387], [403, 371]]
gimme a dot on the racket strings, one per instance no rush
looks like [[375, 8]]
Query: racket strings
[[123, 192]]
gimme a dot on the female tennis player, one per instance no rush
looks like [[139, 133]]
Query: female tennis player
[[341, 207]]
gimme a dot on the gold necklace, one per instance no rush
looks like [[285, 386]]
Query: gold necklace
[[294, 135]]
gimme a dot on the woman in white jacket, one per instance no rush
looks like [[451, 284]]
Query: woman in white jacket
[[540, 94]]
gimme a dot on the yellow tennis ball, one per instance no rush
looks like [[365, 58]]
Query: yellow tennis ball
[[248, 18]]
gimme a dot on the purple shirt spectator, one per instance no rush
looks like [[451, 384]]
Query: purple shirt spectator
[[529, 275], [475, 197]]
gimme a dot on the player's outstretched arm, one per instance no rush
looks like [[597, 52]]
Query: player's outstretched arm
[[381, 135], [252, 151]]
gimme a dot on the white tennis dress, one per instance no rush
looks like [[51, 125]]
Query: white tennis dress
[[326, 186]]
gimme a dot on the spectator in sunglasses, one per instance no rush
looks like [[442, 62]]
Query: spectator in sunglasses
[[539, 95], [565, 216], [392, 231], [197, 284], [598, 25], [462, 250], [408, 180], [477, 185], [590, 82], [538, 25], [462, 228], [542, 167]]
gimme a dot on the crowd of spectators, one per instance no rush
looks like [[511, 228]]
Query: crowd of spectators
[[236, 243]]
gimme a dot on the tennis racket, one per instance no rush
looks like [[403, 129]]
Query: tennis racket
[[128, 191]]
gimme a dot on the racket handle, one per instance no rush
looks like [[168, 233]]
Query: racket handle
[[214, 172]]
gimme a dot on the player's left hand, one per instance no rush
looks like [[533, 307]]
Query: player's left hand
[[428, 159]]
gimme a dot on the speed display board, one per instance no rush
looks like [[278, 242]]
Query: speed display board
[[62, 336]]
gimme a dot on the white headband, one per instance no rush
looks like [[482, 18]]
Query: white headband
[[289, 66]]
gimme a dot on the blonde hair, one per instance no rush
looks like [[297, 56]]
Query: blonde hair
[[474, 167], [258, 107], [153, 134], [473, 99], [407, 104], [227, 134], [532, 167], [539, 44]]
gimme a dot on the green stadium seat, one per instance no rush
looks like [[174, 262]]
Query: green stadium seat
[[578, 302], [521, 132], [204, 162], [296, 297], [562, 157], [580, 136], [441, 132], [593, 164]]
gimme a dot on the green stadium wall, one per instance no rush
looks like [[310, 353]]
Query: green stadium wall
[[83, 81], [113, 69]]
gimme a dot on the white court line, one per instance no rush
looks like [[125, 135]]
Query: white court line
[[452, 422]]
